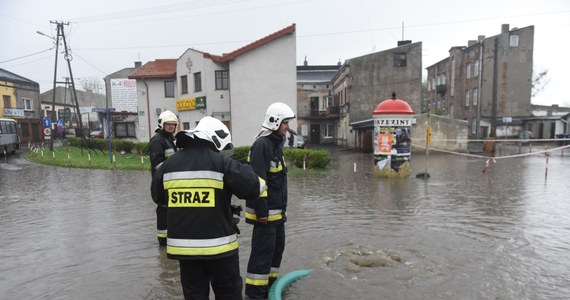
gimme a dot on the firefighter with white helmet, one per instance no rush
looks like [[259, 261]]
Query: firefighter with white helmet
[[268, 212], [197, 184], [160, 147]]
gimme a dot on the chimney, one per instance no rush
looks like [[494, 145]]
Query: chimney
[[480, 38], [505, 28], [138, 64], [471, 43], [305, 63]]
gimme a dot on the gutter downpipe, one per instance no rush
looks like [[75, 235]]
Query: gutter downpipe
[[478, 129], [147, 108]]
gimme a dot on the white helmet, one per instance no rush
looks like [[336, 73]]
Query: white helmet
[[166, 117], [276, 113], [214, 131]]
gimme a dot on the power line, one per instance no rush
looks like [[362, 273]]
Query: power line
[[162, 9], [1, 62]]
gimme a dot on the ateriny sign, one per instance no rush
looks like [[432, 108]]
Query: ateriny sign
[[394, 122], [191, 103]]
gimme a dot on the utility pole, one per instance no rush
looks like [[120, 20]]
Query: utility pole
[[68, 58], [53, 117]]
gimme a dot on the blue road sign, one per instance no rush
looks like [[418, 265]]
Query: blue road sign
[[46, 122]]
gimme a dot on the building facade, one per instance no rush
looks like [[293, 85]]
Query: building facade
[[316, 113], [487, 83], [21, 101], [156, 92], [236, 87], [365, 81]]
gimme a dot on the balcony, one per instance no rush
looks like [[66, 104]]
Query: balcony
[[329, 112]]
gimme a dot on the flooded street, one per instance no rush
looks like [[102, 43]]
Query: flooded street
[[462, 234]]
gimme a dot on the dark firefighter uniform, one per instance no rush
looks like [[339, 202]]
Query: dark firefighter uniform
[[197, 184], [268, 240], [160, 147]]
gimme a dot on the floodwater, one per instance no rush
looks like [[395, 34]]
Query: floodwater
[[461, 234]]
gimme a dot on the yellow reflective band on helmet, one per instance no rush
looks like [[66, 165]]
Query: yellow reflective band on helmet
[[192, 197], [202, 246]]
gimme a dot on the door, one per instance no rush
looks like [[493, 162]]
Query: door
[[315, 134]]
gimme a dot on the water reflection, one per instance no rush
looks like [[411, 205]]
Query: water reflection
[[462, 234]]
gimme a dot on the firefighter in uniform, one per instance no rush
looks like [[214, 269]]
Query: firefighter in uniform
[[197, 184], [160, 147], [268, 213]]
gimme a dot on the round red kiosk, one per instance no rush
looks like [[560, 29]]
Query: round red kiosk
[[393, 119]]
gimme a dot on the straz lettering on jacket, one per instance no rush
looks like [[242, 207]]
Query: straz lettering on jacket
[[192, 197], [192, 188]]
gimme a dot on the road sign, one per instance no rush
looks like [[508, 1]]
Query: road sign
[[46, 122], [47, 131], [507, 120]]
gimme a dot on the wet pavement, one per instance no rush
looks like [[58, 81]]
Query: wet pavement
[[461, 234]]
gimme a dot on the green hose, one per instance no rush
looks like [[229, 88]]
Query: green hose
[[284, 281]]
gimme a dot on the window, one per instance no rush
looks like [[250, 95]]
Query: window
[[123, 130], [185, 125], [468, 71], [169, 89], [184, 84], [475, 96], [327, 101], [476, 69], [514, 40], [328, 131], [399, 59], [7, 101], [28, 104], [197, 82], [474, 126], [222, 80], [467, 99]]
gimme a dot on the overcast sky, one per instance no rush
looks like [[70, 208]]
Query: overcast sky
[[106, 36]]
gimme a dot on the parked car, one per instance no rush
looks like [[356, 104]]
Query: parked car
[[97, 134], [563, 136], [300, 141]]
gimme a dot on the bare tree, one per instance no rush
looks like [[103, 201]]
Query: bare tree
[[92, 84], [539, 81]]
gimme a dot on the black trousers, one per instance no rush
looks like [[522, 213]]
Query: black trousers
[[161, 224], [222, 273], [267, 246]]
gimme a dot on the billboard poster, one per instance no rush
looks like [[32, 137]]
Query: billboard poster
[[124, 94]]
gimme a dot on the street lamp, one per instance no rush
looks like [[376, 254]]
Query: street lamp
[[41, 33]]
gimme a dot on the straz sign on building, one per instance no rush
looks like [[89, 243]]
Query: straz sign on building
[[191, 103]]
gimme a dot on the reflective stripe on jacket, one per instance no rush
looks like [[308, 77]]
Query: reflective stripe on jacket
[[197, 184], [266, 158]]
